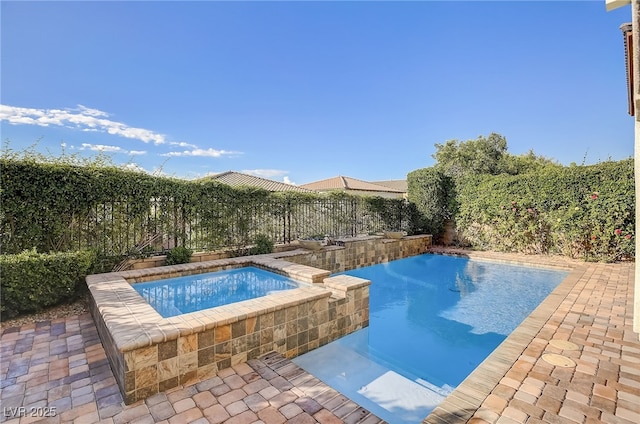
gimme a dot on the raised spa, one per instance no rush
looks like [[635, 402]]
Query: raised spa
[[181, 295]]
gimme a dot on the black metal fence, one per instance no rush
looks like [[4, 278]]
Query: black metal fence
[[122, 228]]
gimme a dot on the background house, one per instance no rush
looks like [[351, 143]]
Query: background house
[[388, 189], [238, 179]]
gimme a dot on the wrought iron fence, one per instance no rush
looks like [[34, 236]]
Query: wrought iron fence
[[119, 227]]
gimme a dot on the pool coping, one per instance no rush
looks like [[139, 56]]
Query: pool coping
[[468, 397]]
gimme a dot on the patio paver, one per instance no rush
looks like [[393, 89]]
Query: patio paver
[[59, 368]]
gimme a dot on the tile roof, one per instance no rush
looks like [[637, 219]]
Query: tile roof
[[396, 184], [348, 183], [238, 179]]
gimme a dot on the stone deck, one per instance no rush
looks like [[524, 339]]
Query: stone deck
[[60, 367]]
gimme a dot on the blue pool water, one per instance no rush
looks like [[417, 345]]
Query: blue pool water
[[433, 320], [181, 295]]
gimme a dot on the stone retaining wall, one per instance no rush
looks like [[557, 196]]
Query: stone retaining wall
[[357, 252]]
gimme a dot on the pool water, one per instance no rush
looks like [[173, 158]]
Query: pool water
[[433, 320], [181, 295]]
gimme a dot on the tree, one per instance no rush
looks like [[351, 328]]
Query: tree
[[521, 164], [479, 156], [484, 155]]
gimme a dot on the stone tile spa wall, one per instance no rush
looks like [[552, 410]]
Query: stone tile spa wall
[[149, 354]]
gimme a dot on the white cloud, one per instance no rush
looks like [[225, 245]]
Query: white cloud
[[286, 180], [213, 153], [110, 149], [102, 148], [81, 118], [183, 144]]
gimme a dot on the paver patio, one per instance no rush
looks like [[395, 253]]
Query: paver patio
[[59, 367]]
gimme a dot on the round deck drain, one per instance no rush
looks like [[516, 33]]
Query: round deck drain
[[558, 360], [563, 344]]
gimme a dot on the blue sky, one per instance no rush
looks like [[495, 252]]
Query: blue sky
[[303, 91]]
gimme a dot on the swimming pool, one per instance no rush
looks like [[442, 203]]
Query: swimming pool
[[181, 295], [433, 320]]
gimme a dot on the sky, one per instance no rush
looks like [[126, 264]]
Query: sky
[[303, 91]]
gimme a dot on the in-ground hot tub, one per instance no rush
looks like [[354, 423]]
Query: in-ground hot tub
[[149, 353]]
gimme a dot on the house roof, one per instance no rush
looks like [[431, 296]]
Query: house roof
[[237, 179], [348, 183], [396, 184]]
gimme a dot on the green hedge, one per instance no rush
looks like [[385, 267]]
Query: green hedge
[[32, 281], [432, 194], [585, 212], [63, 207]]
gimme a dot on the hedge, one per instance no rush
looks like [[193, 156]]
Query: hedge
[[32, 281], [585, 212], [62, 207], [432, 194]]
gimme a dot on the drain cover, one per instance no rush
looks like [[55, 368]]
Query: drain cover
[[563, 344], [558, 360]]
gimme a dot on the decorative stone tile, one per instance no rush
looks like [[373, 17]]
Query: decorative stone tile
[[239, 358], [188, 378], [222, 351], [207, 371], [129, 361], [206, 339], [187, 344], [222, 333], [168, 349], [253, 325], [238, 329], [266, 336], [279, 317], [168, 368], [187, 362], [130, 381], [279, 332], [265, 321], [145, 357], [224, 363], [146, 376], [206, 356]]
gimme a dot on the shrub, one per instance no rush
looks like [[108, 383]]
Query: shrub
[[178, 255], [433, 194], [263, 244], [585, 212], [32, 281]]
